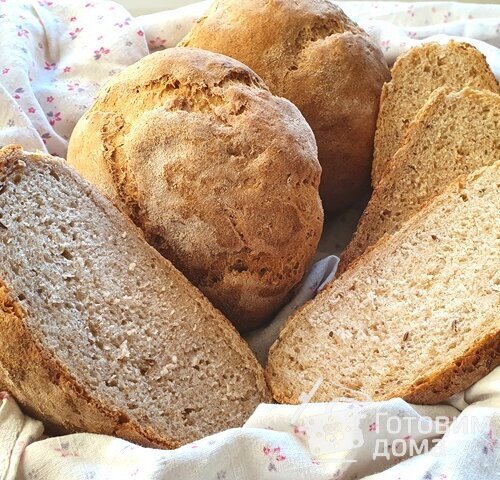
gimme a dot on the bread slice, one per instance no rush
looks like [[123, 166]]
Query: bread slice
[[454, 134], [415, 75], [98, 332], [417, 316]]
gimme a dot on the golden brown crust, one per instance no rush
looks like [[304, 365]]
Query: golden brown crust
[[476, 363], [311, 53], [221, 175]]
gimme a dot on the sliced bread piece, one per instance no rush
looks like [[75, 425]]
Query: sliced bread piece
[[415, 75], [98, 332], [417, 317], [454, 134]]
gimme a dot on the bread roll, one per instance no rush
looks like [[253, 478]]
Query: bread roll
[[221, 175], [310, 52]]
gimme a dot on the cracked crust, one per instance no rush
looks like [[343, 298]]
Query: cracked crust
[[221, 175], [310, 52]]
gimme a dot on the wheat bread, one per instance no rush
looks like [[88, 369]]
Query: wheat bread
[[310, 52], [453, 134], [98, 332], [221, 175], [417, 316], [415, 75]]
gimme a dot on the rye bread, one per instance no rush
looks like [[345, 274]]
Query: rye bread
[[98, 332], [417, 316], [453, 134], [415, 75]]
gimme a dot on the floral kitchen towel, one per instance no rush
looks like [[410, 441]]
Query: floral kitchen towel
[[337, 441]]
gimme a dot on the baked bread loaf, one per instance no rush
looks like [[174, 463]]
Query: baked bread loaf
[[221, 175], [416, 317], [310, 52], [98, 332], [415, 75], [455, 133]]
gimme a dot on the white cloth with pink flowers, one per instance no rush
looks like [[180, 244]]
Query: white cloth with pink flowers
[[54, 57]]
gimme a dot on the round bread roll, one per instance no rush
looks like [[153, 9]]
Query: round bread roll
[[221, 175], [310, 52]]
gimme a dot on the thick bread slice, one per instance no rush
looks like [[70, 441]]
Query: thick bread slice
[[417, 316], [454, 134], [415, 75], [98, 332]]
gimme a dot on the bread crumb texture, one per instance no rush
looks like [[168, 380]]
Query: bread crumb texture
[[453, 134], [415, 75], [310, 52], [98, 332], [417, 316], [221, 175]]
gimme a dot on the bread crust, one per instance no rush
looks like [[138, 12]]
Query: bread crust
[[221, 175], [46, 389], [310, 52]]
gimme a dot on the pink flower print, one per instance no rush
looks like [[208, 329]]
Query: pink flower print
[[157, 42], [45, 3], [64, 451], [385, 44], [123, 24], [299, 431], [411, 12], [50, 99], [100, 37], [74, 86], [72, 19], [45, 137], [22, 32], [446, 17], [54, 117], [140, 33], [274, 455], [89, 5], [491, 442], [32, 110], [5, 71], [17, 93], [99, 53], [372, 427], [67, 69], [75, 32], [50, 66]]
